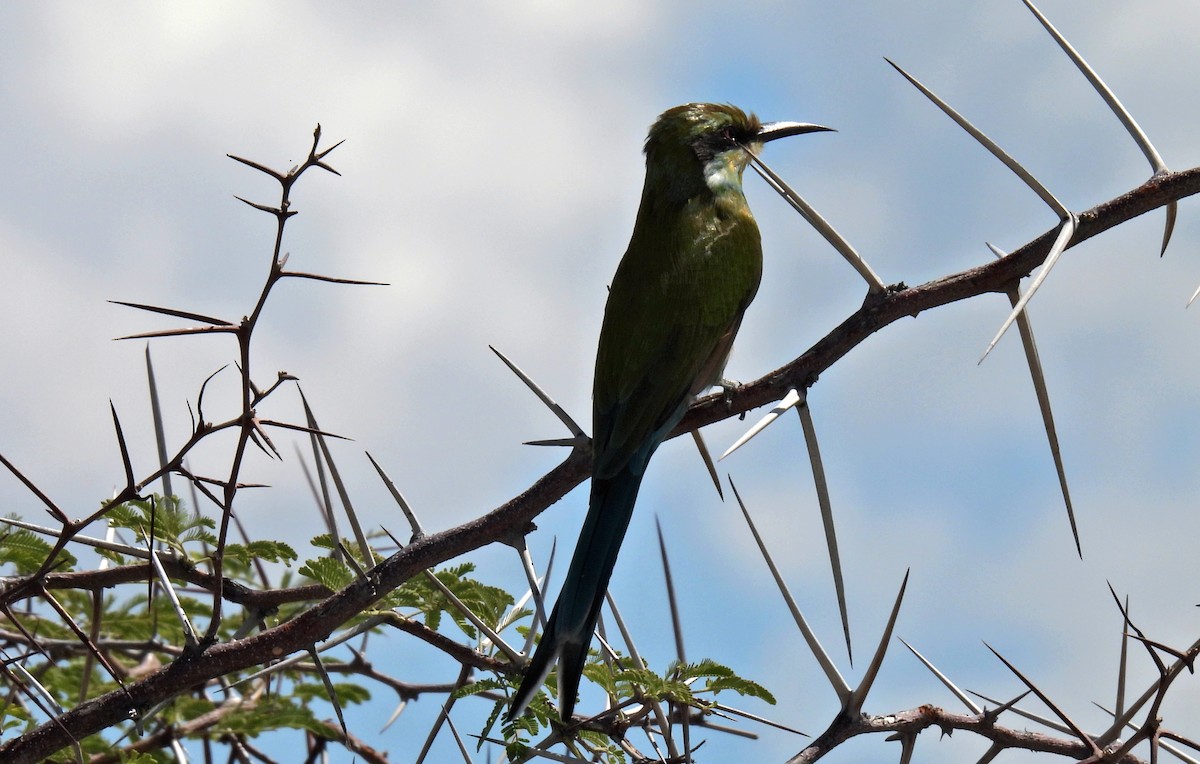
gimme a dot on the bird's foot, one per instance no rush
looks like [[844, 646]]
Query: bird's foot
[[727, 386]]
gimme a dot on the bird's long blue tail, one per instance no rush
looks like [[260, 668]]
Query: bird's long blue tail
[[569, 631]]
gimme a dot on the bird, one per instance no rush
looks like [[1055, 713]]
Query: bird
[[693, 265]]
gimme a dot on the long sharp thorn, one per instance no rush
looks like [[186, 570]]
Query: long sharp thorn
[[708, 462], [125, 460], [184, 332], [1157, 165], [875, 284], [1012, 706], [339, 485], [331, 279], [1169, 226], [264, 207], [1065, 232], [462, 746], [1110, 98], [160, 437], [971, 705], [672, 602], [756, 718], [578, 440], [859, 695], [405, 507], [1123, 663], [1183, 657], [395, 715], [130, 551], [189, 632], [349, 559], [443, 715], [1075, 730], [51, 507], [835, 559], [635, 658], [989, 144], [255, 165], [836, 681], [1193, 297], [539, 599], [329, 689], [1025, 326], [791, 399], [557, 410], [1043, 397], [176, 313]]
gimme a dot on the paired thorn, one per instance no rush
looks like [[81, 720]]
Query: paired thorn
[[1067, 217], [798, 400], [1157, 165], [843, 691], [1065, 233], [1071, 725]]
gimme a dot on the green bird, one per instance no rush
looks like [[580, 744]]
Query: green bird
[[692, 267]]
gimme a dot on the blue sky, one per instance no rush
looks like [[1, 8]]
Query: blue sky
[[491, 171]]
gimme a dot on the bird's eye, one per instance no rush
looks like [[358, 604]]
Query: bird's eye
[[712, 143]]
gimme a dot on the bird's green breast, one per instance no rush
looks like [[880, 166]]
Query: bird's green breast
[[677, 297]]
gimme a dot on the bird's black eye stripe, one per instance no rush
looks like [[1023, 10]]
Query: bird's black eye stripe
[[711, 144]]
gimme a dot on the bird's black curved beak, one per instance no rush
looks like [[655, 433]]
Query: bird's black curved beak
[[772, 130]]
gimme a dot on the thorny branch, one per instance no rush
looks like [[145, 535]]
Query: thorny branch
[[512, 519]]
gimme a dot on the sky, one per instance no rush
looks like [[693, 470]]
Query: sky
[[490, 173]]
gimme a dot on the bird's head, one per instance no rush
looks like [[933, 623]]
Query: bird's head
[[709, 141]]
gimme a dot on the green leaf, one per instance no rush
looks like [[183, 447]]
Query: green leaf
[[720, 677], [740, 686], [487, 602], [26, 551], [171, 523], [328, 572], [268, 551]]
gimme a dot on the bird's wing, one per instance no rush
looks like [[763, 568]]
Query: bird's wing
[[673, 308]]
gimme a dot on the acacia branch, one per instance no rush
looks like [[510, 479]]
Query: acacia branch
[[509, 521], [909, 724]]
